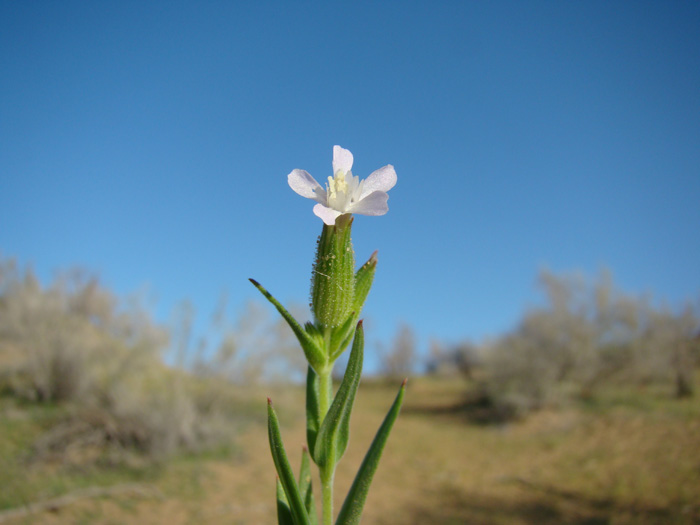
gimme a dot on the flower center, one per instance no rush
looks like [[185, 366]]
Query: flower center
[[344, 190], [337, 184]]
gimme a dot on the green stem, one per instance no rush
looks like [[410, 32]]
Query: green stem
[[327, 473], [325, 377]]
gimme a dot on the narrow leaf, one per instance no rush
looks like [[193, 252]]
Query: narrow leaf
[[306, 488], [284, 470], [313, 330], [333, 435], [341, 348], [284, 514], [363, 282], [313, 410], [351, 512], [313, 351], [341, 335]]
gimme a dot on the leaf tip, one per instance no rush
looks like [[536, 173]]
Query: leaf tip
[[405, 381], [255, 283]]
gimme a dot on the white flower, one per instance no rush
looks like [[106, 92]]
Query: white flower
[[345, 193]]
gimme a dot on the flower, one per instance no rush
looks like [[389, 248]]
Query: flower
[[345, 193]]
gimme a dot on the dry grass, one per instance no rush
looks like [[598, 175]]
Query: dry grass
[[619, 462]]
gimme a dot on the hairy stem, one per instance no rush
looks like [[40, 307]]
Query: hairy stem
[[327, 475], [325, 399]]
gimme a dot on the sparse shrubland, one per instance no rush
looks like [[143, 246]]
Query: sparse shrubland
[[585, 340], [399, 360], [72, 345], [255, 349]]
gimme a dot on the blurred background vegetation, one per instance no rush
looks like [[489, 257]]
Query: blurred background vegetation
[[94, 393]]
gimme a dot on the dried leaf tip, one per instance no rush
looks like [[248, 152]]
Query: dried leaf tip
[[372, 261], [269, 401], [256, 283], [403, 384]]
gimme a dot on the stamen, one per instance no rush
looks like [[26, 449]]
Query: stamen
[[331, 188], [337, 184], [340, 183]]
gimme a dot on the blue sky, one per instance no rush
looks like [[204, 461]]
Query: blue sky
[[150, 142]]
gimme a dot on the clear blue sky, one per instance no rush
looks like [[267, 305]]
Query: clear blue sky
[[150, 142]]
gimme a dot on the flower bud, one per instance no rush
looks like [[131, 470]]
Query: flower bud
[[333, 277]]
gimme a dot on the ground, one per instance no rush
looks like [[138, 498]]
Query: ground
[[627, 460]]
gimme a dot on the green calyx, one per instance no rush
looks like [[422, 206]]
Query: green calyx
[[337, 296], [333, 277]]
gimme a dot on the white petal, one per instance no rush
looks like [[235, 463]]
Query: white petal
[[306, 186], [328, 215], [321, 195], [381, 180], [373, 204], [342, 160]]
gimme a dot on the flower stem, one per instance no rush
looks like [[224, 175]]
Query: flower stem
[[328, 472], [327, 475]]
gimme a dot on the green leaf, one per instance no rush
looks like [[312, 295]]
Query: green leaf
[[314, 352], [284, 514], [341, 336], [351, 512], [313, 331], [363, 282], [313, 410], [306, 488], [332, 438], [284, 470], [344, 344]]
